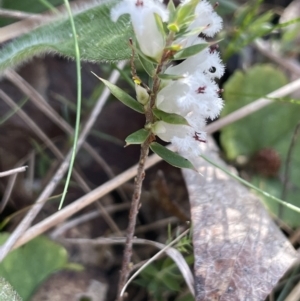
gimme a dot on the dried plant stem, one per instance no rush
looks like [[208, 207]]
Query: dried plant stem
[[12, 171], [46, 193], [16, 14], [135, 202]]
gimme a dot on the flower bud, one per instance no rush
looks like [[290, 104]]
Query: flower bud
[[141, 94]]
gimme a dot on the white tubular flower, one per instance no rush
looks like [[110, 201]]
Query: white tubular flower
[[150, 39], [208, 61], [206, 16], [195, 96], [184, 137]]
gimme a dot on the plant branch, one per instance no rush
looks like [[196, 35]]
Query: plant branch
[[135, 202]]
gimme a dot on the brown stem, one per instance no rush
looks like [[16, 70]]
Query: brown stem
[[135, 202]]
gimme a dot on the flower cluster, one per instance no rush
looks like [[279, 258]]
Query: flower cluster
[[192, 92]]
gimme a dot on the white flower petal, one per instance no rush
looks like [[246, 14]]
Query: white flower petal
[[142, 16]]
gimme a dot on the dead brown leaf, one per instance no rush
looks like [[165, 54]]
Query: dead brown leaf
[[240, 254]]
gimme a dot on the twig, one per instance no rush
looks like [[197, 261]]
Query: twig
[[287, 64], [12, 171], [11, 183], [107, 187], [8, 190], [25, 223], [135, 202], [85, 218], [16, 14], [253, 107], [31, 170]]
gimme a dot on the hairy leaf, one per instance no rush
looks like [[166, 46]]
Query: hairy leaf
[[99, 38]]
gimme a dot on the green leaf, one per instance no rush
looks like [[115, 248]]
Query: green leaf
[[190, 51], [165, 76], [185, 11], [7, 293], [147, 65], [170, 117], [172, 11], [26, 267], [125, 98], [272, 127], [170, 157], [137, 137], [99, 38]]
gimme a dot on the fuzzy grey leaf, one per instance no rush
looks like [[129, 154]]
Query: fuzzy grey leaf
[[99, 38]]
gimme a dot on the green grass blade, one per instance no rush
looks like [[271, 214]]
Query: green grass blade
[[78, 112], [283, 203]]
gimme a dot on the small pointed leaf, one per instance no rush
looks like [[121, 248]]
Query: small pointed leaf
[[170, 117], [170, 157], [172, 10], [190, 51], [125, 98], [170, 76], [137, 137], [147, 65], [185, 11]]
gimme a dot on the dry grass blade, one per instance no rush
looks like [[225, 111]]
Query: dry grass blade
[[16, 29], [12, 171], [85, 218], [287, 64], [48, 142], [43, 105], [254, 106], [25, 223], [81, 203], [171, 252], [240, 254], [16, 14]]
